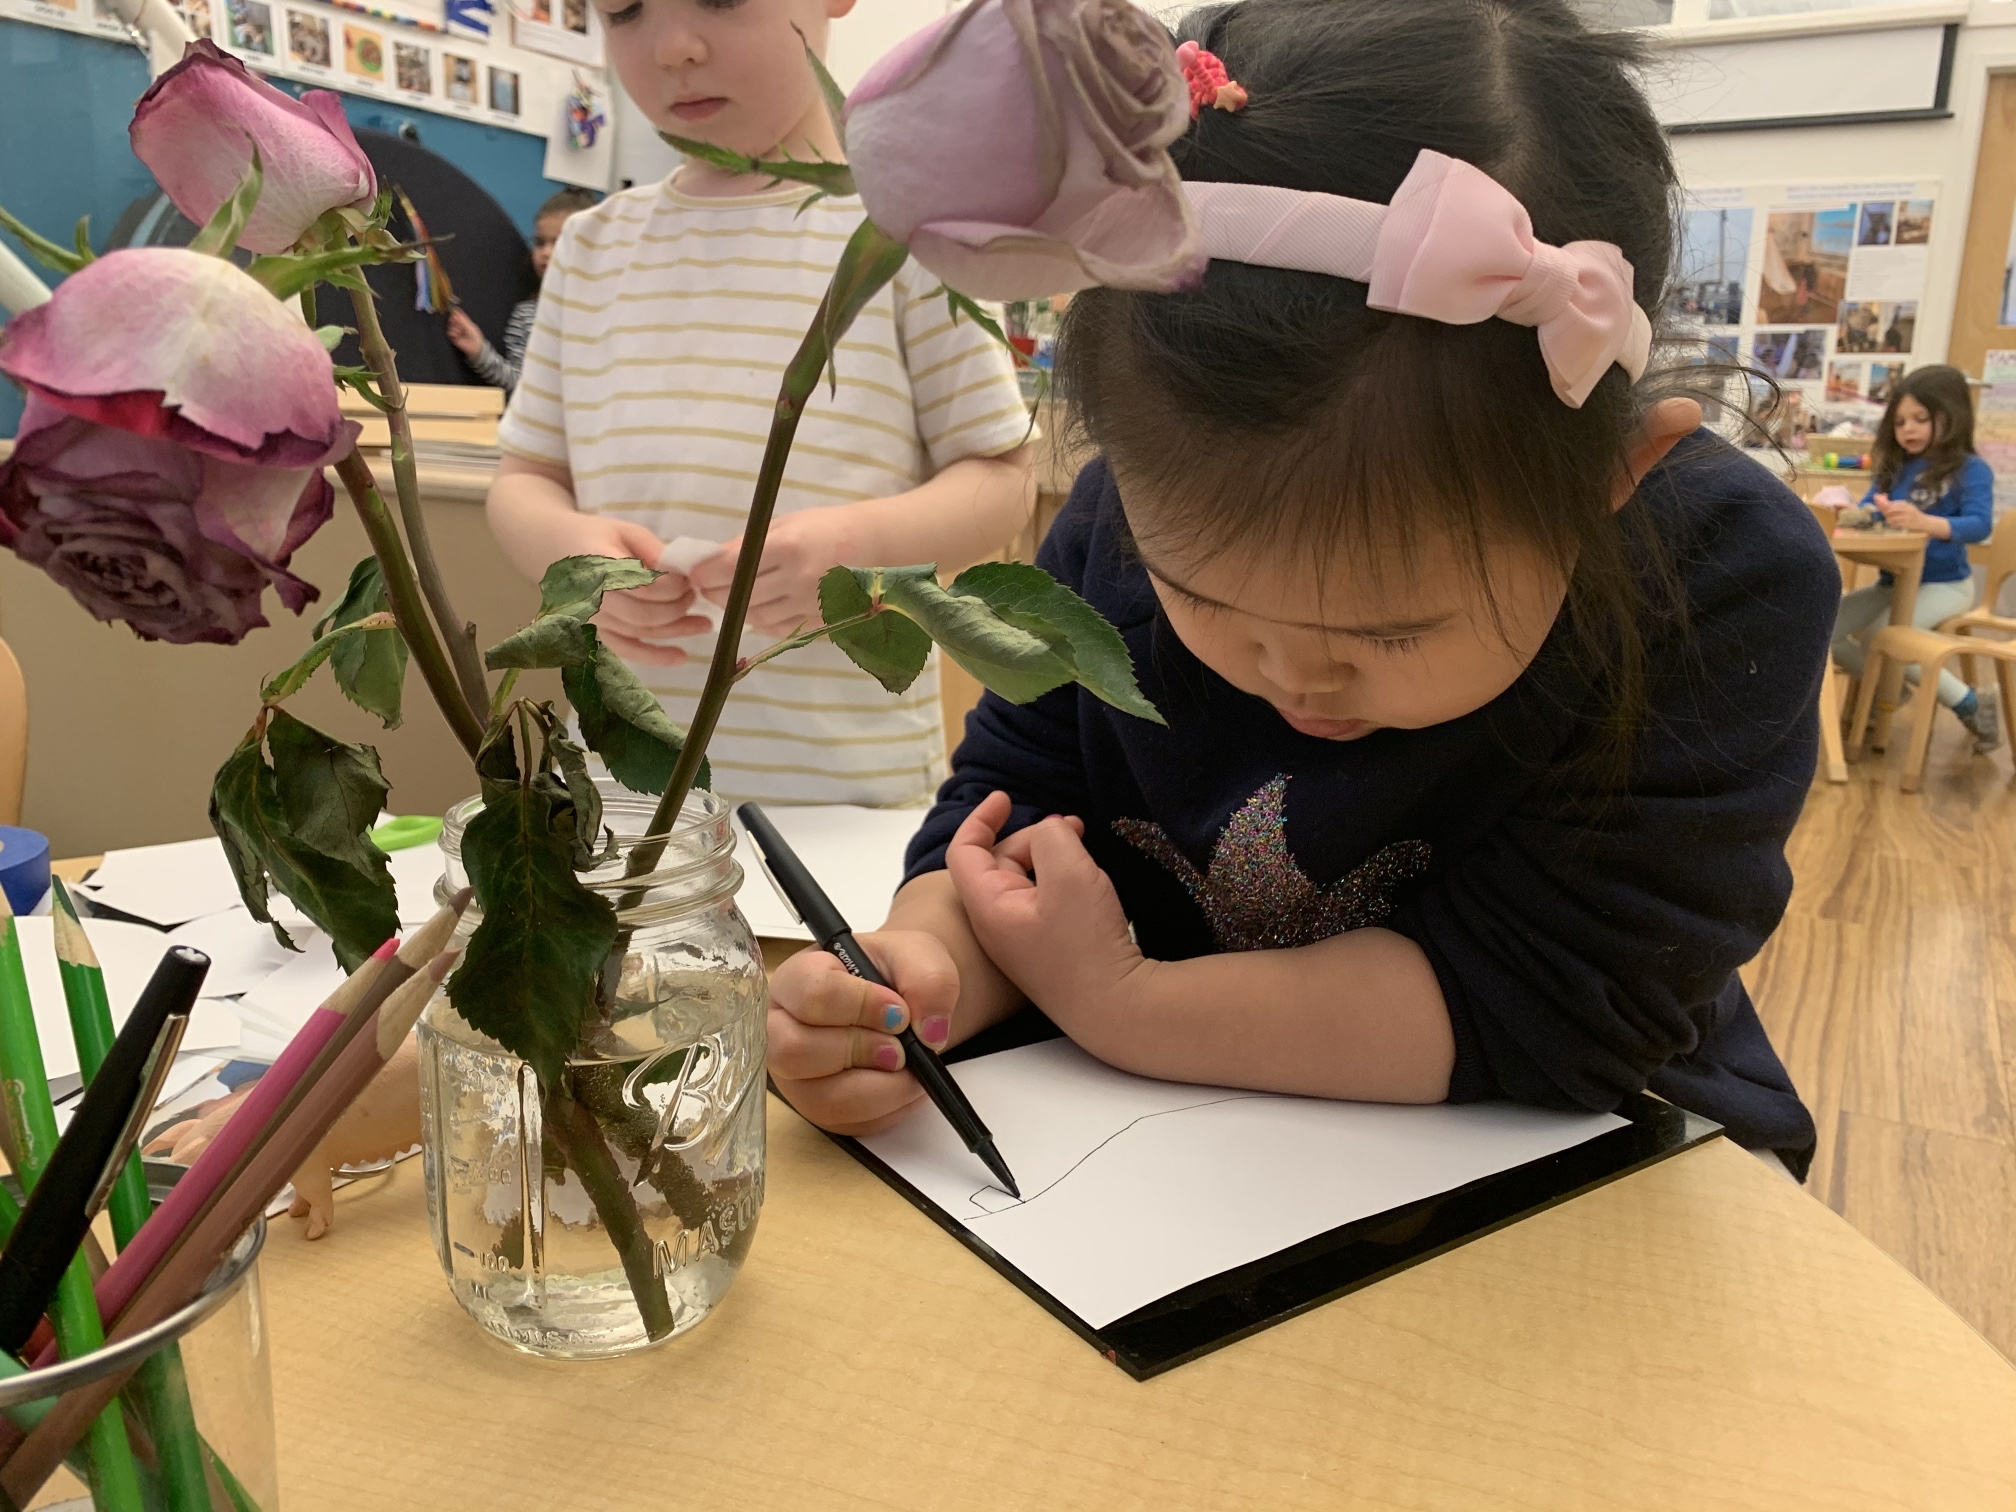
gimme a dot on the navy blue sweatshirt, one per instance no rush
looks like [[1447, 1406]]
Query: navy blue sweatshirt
[[1586, 933]]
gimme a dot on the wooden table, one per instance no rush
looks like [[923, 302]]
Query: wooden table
[[1901, 553], [1701, 1335]]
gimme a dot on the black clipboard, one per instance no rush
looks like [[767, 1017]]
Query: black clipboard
[[1212, 1313]]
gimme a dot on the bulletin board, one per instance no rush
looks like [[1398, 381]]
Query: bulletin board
[[459, 58], [1818, 284]]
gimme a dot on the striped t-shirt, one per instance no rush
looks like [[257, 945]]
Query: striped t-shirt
[[665, 323]]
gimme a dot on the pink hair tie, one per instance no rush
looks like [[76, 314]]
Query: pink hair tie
[[1208, 81], [1455, 246]]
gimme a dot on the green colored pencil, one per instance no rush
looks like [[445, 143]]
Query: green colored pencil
[[163, 1384], [24, 1090]]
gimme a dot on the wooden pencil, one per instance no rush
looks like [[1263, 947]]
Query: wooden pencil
[[180, 1279]]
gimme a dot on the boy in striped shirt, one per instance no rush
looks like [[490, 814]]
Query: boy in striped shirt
[[664, 326]]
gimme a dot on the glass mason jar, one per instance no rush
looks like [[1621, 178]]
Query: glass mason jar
[[612, 1215]]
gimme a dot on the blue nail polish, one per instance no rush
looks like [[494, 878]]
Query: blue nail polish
[[892, 1016]]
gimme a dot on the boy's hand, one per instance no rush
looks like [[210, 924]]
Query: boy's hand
[[632, 618], [1046, 915], [801, 549], [463, 335], [833, 1049]]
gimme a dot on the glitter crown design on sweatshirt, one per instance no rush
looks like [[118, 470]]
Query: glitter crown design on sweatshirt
[[1253, 893]]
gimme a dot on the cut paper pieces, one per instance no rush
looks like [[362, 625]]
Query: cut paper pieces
[[855, 854], [1134, 1189], [128, 953]]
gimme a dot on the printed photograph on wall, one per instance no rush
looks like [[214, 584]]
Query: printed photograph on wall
[[363, 53], [458, 77], [503, 91], [1878, 223], [1805, 266], [1877, 326], [195, 15], [308, 39], [1914, 222], [574, 16], [1846, 381], [252, 26], [413, 67], [1883, 380], [1789, 356], [1714, 257]]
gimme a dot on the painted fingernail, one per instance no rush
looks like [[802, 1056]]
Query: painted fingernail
[[936, 1030], [892, 1016], [889, 1057]]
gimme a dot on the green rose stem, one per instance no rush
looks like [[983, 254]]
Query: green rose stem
[[404, 591], [574, 1129], [457, 632], [870, 260]]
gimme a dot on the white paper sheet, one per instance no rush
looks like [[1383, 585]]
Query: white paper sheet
[[243, 952], [1133, 1189], [171, 884], [273, 1011], [856, 854], [128, 953]]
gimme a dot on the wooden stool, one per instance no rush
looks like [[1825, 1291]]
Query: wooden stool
[[1930, 651], [1996, 557]]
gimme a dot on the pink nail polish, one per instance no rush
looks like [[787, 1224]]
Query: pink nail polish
[[889, 1057], [936, 1030]]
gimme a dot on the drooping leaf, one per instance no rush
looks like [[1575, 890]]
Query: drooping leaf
[[834, 178], [286, 684], [369, 668], [357, 909], [286, 274], [528, 976], [1004, 657], [497, 761], [889, 648], [52, 255], [572, 762], [570, 594], [829, 90], [622, 722], [82, 237], [219, 236], [331, 792], [1032, 600]]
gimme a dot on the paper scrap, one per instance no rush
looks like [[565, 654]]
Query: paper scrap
[[682, 554], [128, 953], [1133, 1189]]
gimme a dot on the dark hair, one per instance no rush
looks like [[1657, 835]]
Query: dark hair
[[1273, 410], [1943, 392], [568, 202]]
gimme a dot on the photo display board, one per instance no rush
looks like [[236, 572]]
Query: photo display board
[[462, 59], [1818, 284]]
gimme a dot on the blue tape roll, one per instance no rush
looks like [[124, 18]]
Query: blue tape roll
[[24, 867]]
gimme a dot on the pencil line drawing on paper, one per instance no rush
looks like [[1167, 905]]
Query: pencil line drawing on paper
[[992, 1200]]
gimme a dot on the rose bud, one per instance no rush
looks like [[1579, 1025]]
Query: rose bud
[[169, 462], [196, 126], [1020, 148]]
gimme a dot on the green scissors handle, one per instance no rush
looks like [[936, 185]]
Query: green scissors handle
[[406, 831]]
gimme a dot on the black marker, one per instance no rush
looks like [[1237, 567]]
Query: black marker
[[805, 898]]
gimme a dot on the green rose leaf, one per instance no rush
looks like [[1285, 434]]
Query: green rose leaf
[[570, 594], [1032, 600], [622, 722], [1005, 657], [572, 761], [286, 684], [52, 255], [528, 976], [370, 669], [288, 825], [497, 761], [227, 223], [889, 648]]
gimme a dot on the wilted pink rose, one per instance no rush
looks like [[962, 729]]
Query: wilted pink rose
[[170, 459], [196, 126], [1020, 148]]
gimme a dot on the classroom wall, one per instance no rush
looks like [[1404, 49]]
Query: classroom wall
[[71, 96], [1942, 150]]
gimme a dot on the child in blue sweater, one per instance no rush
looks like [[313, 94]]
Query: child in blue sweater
[[1928, 479], [1489, 676]]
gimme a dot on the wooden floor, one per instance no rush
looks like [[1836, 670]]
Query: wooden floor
[[1890, 990]]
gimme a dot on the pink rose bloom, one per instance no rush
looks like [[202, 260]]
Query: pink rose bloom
[[1020, 148], [196, 126], [170, 459]]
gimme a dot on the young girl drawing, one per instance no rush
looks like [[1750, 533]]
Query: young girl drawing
[[1489, 676], [1928, 479]]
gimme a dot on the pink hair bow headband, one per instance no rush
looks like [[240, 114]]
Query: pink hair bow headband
[[1454, 246]]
